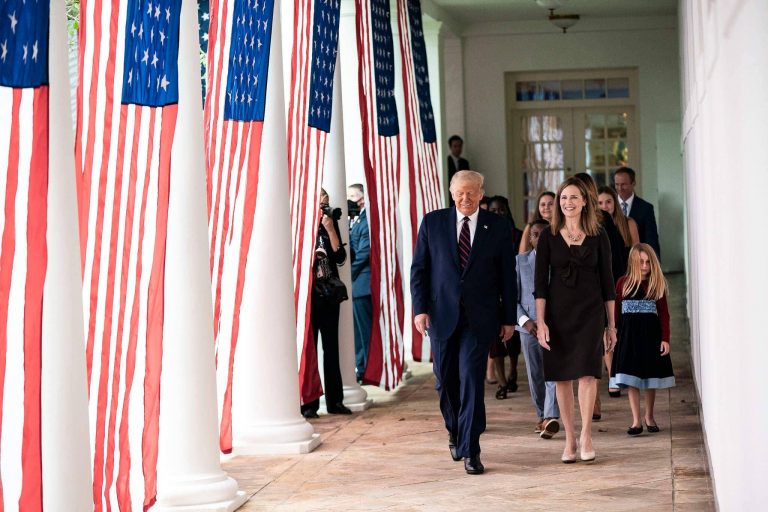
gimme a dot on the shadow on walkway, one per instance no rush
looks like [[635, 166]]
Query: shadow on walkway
[[395, 455]]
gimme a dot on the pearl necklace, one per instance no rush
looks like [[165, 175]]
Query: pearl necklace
[[573, 238]]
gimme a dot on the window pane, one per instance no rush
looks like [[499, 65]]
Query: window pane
[[619, 154], [595, 154], [530, 129], [618, 88], [595, 127], [525, 91], [616, 126], [552, 128], [551, 90], [572, 90], [594, 88]]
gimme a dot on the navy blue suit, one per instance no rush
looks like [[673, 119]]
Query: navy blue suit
[[642, 212], [360, 248], [465, 312]]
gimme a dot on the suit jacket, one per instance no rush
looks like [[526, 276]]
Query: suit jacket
[[487, 287], [360, 247], [642, 212], [463, 166], [526, 302]]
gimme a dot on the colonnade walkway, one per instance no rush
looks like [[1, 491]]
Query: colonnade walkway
[[395, 456]]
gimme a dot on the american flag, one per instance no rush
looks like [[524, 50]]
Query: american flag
[[125, 128], [313, 59], [381, 158], [423, 174], [24, 138], [238, 58]]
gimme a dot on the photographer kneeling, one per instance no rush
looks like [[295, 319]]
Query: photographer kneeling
[[328, 291]]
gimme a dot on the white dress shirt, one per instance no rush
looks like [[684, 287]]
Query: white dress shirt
[[628, 202], [472, 224]]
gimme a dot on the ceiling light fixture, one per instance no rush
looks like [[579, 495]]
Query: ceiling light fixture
[[563, 21], [551, 4]]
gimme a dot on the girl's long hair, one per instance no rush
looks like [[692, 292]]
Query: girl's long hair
[[618, 215], [657, 285], [589, 221]]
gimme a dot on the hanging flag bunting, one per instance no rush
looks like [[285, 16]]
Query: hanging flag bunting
[[127, 109], [239, 39], [313, 61], [423, 175], [381, 160], [24, 138]]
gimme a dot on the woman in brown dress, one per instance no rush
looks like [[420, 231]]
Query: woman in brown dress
[[574, 303]]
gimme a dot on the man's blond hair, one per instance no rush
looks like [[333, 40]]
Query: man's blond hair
[[472, 176]]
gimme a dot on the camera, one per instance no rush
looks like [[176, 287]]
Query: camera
[[334, 213]]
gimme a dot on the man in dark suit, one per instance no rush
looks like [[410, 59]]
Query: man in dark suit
[[464, 294], [362, 307], [636, 207], [455, 161]]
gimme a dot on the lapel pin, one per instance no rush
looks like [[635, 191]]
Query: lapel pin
[[485, 226]]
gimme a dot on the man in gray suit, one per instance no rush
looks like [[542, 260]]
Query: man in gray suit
[[542, 393]]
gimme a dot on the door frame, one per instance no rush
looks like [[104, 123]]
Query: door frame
[[515, 107]]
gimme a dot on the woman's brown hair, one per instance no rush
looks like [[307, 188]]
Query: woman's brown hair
[[588, 221], [618, 216]]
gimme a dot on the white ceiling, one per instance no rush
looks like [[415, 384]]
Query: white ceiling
[[466, 12]]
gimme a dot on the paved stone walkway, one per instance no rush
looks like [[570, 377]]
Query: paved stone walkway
[[395, 457]]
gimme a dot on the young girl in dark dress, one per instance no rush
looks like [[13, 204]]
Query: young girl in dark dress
[[641, 358]]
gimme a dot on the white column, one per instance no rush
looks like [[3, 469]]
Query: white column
[[265, 413], [189, 473], [334, 179], [353, 139], [64, 394]]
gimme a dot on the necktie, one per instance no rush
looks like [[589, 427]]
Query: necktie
[[624, 208], [465, 245]]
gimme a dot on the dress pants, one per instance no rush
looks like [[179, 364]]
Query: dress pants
[[362, 308], [542, 392], [325, 320], [459, 364]]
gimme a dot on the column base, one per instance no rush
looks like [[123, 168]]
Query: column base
[[276, 448], [360, 406], [209, 493], [356, 398]]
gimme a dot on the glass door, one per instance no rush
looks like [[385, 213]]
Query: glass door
[[605, 141], [543, 155]]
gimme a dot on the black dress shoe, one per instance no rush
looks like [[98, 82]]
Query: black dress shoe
[[473, 466], [635, 431], [338, 409], [452, 447], [309, 413]]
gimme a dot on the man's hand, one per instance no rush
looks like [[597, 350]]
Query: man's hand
[[506, 332], [664, 349], [422, 323], [531, 327]]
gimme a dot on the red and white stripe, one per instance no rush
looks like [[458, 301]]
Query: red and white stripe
[[381, 160], [232, 169], [23, 264], [306, 158], [423, 175], [123, 171]]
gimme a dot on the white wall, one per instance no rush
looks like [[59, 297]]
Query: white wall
[[725, 110], [650, 44]]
